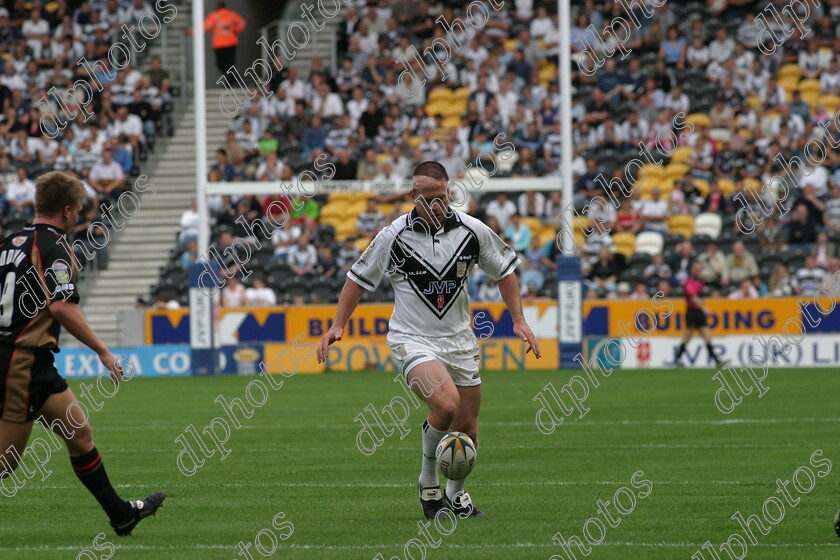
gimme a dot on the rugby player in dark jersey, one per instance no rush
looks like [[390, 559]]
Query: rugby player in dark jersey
[[38, 296]]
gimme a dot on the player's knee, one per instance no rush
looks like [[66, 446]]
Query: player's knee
[[447, 407], [82, 440]]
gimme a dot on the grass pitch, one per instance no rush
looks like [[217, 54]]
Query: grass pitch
[[297, 455]]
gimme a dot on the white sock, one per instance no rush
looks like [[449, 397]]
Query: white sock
[[428, 468], [454, 486]]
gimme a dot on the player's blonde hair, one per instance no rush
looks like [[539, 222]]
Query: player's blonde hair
[[56, 190]]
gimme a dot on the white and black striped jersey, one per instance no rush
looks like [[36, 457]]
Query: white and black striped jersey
[[429, 271]]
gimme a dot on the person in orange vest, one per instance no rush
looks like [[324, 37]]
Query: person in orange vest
[[225, 25]]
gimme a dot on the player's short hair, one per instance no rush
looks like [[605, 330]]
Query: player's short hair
[[55, 190], [431, 169]]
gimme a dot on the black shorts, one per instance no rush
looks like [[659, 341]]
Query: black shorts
[[696, 319], [28, 377]]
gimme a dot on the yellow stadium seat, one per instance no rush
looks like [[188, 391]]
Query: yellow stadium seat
[[702, 186], [453, 121], [534, 224], [789, 83], [754, 102], [415, 141], [727, 186], [681, 223], [51, 7], [699, 119], [625, 243], [407, 207], [681, 155], [676, 171], [362, 243], [461, 94], [511, 44], [547, 235], [384, 208], [382, 158], [346, 228], [436, 108], [811, 97], [332, 210], [831, 102], [340, 196], [548, 72], [790, 71], [809, 85], [454, 109], [440, 94]]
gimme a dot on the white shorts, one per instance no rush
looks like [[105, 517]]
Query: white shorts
[[459, 354]]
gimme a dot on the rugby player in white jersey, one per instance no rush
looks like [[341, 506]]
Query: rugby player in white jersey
[[428, 255]]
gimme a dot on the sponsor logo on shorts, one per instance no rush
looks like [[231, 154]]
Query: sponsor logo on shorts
[[476, 376]]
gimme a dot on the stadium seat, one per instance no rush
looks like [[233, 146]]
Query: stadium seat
[[790, 70], [382, 158], [534, 224], [708, 224], [727, 186], [511, 44], [333, 209], [436, 108], [453, 121], [415, 141], [702, 186], [461, 94], [625, 243], [440, 94], [789, 83], [754, 102], [831, 102], [547, 235], [650, 242], [681, 224], [682, 155], [548, 73], [809, 85], [362, 243], [811, 97], [699, 119], [677, 171]]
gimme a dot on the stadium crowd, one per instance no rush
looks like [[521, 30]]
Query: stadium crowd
[[742, 112], [47, 48]]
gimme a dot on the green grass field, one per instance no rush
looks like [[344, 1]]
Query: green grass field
[[297, 455]]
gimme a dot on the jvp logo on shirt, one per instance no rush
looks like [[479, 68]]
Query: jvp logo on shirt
[[440, 287]]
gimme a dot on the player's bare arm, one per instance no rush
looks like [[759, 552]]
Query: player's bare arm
[[73, 320], [351, 293], [509, 287]]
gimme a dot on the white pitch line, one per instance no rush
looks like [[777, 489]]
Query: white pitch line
[[392, 485], [46, 548], [572, 422]]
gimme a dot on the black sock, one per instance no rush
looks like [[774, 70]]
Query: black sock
[[91, 472], [711, 352], [680, 353]]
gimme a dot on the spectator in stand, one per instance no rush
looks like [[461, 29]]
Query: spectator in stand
[[673, 50], [831, 281], [223, 166], [20, 194], [283, 238], [190, 255], [348, 254], [270, 169], [107, 176], [746, 290], [233, 295], [327, 265], [189, 224], [823, 250], [740, 265], [655, 212], [165, 301], [808, 278], [681, 261], [369, 222], [831, 214], [604, 273], [130, 125], [771, 234], [716, 202], [715, 268], [628, 219], [657, 270], [303, 257], [260, 295], [314, 138], [802, 231], [518, 234], [531, 203], [368, 168], [501, 209]]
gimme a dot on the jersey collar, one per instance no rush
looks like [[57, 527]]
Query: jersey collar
[[43, 227], [416, 224]]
